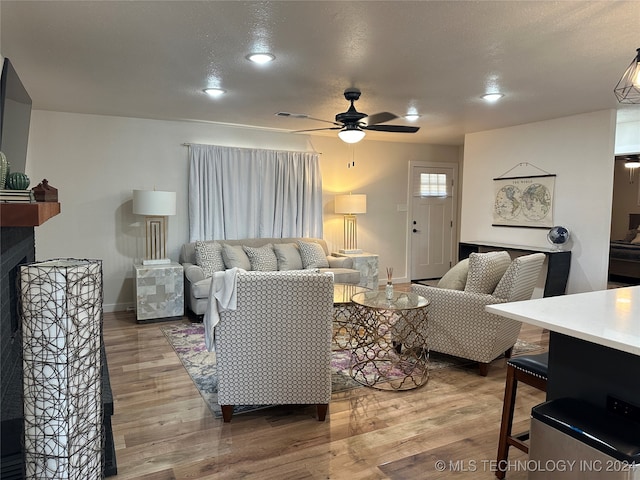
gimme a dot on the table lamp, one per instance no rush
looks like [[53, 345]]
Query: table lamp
[[350, 206], [155, 206]]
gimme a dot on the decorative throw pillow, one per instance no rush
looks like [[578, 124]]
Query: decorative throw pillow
[[234, 256], [209, 257], [312, 255], [262, 259], [506, 288], [288, 255], [631, 235], [456, 277], [637, 239], [486, 270]]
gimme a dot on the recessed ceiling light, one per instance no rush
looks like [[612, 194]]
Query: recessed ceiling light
[[214, 92], [412, 117], [492, 97], [260, 58]]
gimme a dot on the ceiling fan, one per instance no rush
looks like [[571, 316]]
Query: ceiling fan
[[352, 124]]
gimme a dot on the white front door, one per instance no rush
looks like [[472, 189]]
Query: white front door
[[431, 220]]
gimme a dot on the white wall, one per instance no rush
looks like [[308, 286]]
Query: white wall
[[579, 150], [96, 161], [628, 137], [381, 172]]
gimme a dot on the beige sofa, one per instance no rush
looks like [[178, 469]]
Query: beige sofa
[[197, 283]]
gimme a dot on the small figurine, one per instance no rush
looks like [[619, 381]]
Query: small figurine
[[45, 192]]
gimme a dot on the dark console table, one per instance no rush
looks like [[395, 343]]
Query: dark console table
[[558, 262]]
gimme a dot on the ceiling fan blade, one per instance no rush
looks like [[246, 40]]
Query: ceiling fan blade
[[380, 118], [326, 121], [304, 115], [317, 129], [392, 128]]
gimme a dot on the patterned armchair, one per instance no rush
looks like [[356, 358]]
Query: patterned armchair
[[275, 348], [458, 323]]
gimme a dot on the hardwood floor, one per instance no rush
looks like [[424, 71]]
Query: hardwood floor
[[164, 430]]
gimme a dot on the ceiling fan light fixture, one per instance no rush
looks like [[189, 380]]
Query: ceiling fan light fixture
[[628, 88], [632, 161], [260, 58], [492, 97], [214, 91], [351, 134]]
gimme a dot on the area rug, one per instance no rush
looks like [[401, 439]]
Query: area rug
[[187, 341]]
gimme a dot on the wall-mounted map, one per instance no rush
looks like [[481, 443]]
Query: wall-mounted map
[[524, 201]]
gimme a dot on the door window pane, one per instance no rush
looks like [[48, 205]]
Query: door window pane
[[432, 185]]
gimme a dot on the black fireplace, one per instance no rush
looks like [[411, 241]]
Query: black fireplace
[[17, 244]]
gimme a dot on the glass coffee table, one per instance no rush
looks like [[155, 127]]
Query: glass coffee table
[[342, 312], [389, 340]]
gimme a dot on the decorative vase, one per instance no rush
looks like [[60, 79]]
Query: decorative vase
[[4, 170], [17, 181], [388, 291]]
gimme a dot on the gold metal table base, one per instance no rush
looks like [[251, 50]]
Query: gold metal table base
[[343, 311], [391, 348]]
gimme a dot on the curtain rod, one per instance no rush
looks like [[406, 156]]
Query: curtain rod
[[249, 148]]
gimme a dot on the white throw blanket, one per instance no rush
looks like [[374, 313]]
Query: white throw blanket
[[222, 296]]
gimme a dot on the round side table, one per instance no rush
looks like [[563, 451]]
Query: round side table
[[390, 350], [342, 312]]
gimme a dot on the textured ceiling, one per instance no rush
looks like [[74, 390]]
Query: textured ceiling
[[151, 59]]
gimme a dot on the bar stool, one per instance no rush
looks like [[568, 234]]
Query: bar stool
[[529, 369]]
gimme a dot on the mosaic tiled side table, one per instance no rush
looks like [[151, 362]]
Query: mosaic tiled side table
[[159, 292], [367, 264]]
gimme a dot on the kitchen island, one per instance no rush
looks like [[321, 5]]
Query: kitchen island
[[594, 343]]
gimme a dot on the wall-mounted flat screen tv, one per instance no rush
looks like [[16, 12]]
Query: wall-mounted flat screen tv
[[15, 117]]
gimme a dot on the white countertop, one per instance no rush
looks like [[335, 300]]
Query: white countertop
[[606, 317]]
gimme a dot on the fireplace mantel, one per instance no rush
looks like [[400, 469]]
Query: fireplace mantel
[[27, 214]]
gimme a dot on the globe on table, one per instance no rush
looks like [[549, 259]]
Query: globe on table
[[558, 236]]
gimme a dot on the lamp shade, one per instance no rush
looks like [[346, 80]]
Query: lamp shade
[[351, 204], [153, 202]]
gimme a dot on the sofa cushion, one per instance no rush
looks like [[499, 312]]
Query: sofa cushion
[[343, 275], [313, 255], [209, 257], [262, 259], [456, 277], [288, 255], [340, 262], [234, 256], [201, 288], [486, 270]]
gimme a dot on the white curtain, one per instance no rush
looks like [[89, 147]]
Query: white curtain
[[239, 193]]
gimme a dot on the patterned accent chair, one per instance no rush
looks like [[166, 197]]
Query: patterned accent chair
[[458, 322], [275, 348]]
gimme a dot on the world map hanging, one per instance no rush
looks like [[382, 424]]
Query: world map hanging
[[524, 201]]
